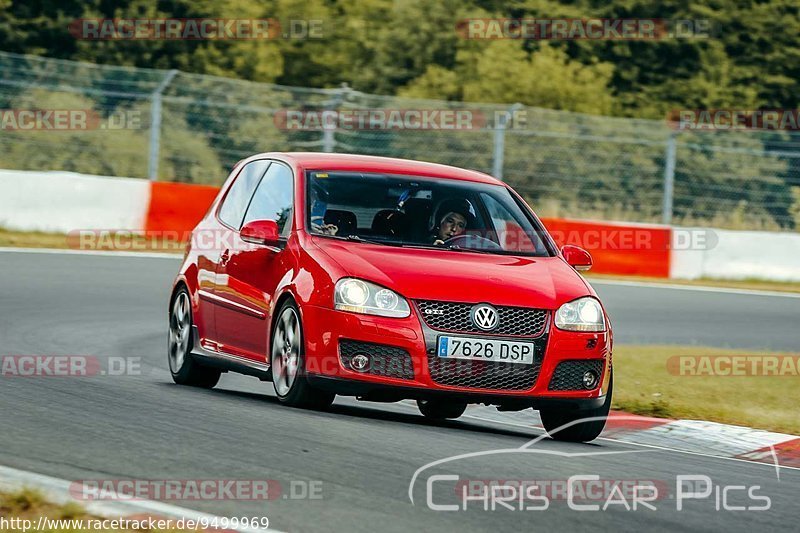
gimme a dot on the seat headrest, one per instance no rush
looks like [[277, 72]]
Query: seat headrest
[[346, 221], [388, 223], [418, 212]]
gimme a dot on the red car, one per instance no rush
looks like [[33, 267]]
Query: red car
[[390, 279]]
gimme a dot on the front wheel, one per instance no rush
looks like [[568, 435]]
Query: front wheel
[[288, 361], [184, 369], [553, 420], [441, 409]]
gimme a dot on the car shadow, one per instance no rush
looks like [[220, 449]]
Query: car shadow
[[372, 411]]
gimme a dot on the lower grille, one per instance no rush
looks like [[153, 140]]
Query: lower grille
[[483, 374], [388, 361], [569, 374]]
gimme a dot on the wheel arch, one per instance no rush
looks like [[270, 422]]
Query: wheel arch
[[285, 296], [176, 288]]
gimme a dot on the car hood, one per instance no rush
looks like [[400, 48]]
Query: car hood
[[416, 273]]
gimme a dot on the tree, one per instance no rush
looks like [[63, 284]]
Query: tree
[[504, 72]]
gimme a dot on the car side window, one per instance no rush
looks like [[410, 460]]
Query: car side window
[[274, 198], [235, 203], [510, 234]]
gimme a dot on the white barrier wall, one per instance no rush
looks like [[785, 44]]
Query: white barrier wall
[[729, 254], [61, 202]]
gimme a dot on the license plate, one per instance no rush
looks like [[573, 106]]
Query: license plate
[[486, 350]]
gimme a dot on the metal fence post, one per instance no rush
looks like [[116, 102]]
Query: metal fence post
[[328, 140], [155, 125], [669, 178], [328, 134], [498, 156]]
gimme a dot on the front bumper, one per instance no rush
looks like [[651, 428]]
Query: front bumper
[[325, 328]]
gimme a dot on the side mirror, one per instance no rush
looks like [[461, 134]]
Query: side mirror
[[577, 257], [264, 232]]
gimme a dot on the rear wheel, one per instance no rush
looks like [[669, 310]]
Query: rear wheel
[[183, 367], [441, 409], [553, 419], [288, 361]]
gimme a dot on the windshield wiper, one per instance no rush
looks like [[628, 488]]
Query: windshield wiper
[[453, 247], [358, 238], [457, 248]]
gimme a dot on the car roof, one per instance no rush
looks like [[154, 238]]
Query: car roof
[[370, 163]]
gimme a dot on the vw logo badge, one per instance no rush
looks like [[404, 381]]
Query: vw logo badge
[[485, 317]]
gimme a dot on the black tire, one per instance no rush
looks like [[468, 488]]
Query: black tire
[[296, 392], [553, 419], [184, 368], [441, 409]]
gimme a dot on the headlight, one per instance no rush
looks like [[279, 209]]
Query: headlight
[[583, 314], [359, 296]]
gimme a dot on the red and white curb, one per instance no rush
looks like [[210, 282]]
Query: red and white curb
[[58, 491], [691, 436], [708, 437]]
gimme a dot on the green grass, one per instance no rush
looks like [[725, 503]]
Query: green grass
[[644, 385], [35, 239], [31, 504], [32, 239]]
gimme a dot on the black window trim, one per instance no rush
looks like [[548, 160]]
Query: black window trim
[[227, 192], [252, 196], [250, 200]]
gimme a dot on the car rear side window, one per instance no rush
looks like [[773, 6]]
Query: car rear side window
[[273, 199], [235, 203]]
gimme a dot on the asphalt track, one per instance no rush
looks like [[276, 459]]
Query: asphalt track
[[362, 455]]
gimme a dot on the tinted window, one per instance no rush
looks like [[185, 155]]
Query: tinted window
[[508, 225], [421, 211], [273, 198], [235, 203]]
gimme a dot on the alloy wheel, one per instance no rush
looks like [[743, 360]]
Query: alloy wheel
[[180, 328], [286, 351]]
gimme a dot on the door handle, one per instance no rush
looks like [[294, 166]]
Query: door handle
[[225, 257]]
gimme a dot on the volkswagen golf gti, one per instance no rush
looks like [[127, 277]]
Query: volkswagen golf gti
[[390, 279]]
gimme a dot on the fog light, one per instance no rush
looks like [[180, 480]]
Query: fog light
[[590, 379], [359, 362]]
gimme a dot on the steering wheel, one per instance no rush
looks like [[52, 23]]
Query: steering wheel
[[475, 242]]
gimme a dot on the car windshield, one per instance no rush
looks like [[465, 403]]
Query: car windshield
[[419, 211]]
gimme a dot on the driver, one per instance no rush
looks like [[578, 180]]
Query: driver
[[319, 205], [452, 219]]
